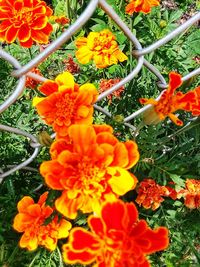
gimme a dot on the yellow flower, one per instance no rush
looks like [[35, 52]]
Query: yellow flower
[[102, 47]]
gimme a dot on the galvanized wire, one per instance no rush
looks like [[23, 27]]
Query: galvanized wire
[[21, 72]]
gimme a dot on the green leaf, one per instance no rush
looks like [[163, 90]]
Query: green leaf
[[193, 43], [177, 180], [175, 15]]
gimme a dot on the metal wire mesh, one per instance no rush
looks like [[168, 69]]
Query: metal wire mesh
[[21, 72]]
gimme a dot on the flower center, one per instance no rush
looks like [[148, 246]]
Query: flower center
[[102, 42], [116, 250], [25, 15], [92, 179], [65, 107]]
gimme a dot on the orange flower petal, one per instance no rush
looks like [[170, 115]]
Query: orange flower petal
[[120, 156], [24, 203], [106, 137], [133, 153], [48, 87], [53, 172], [175, 119], [22, 221], [103, 128], [58, 146], [26, 242], [39, 36], [82, 135]]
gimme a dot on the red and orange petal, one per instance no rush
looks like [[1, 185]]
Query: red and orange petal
[[141, 6], [117, 240], [71, 65], [107, 84], [31, 83], [31, 222], [192, 194], [150, 194], [192, 201], [27, 22], [62, 20]]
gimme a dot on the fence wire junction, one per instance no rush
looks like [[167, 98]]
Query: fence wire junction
[[21, 72]]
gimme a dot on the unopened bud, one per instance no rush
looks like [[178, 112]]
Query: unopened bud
[[118, 118], [45, 139], [163, 23]]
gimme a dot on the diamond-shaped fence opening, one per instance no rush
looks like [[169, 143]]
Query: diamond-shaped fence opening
[[21, 72]]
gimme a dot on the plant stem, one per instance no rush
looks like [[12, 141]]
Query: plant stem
[[60, 257], [30, 53]]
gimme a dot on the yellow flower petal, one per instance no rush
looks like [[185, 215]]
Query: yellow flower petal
[[84, 55], [65, 80], [120, 55], [90, 40], [37, 100], [63, 230], [121, 181]]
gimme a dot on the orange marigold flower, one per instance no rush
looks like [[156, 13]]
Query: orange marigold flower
[[107, 84], [26, 21], [65, 103], [117, 238], [70, 65], [150, 194], [31, 83], [141, 6], [170, 102], [191, 194], [31, 221], [89, 166], [100, 46]]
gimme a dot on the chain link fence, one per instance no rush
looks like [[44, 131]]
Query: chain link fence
[[21, 72]]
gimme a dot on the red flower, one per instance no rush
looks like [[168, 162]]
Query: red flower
[[31, 83], [107, 84], [150, 194], [31, 221], [170, 102], [191, 194], [117, 239], [62, 20], [26, 21], [90, 166], [70, 65]]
